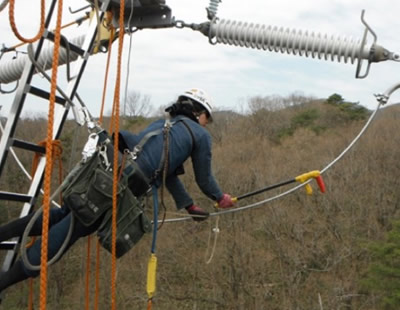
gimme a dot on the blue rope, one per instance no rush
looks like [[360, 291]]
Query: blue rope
[[155, 219]]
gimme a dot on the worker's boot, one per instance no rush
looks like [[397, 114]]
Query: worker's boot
[[14, 275], [197, 213], [17, 227]]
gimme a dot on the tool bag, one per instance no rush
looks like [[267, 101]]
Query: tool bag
[[132, 224], [88, 194]]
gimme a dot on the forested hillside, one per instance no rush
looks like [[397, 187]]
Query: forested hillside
[[296, 252]]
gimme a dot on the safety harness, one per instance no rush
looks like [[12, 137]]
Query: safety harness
[[137, 149], [89, 192]]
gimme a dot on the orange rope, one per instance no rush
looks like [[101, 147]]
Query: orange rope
[[62, 27], [14, 27], [115, 169], [36, 158], [87, 302], [30, 299], [110, 41], [96, 299], [56, 155], [49, 163], [112, 125], [75, 22], [57, 151], [112, 29], [106, 76]]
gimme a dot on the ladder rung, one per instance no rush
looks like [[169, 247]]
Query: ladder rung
[[8, 245], [28, 146], [44, 94], [15, 197], [72, 47]]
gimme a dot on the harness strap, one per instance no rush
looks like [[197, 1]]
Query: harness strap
[[164, 154], [138, 147], [191, 133], [165, 130]]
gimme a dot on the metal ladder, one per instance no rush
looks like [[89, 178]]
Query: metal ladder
[[63, 104]]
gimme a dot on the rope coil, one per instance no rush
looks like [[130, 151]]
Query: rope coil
[[14, 27]]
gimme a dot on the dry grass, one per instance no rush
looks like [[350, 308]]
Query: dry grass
[[299, 252]]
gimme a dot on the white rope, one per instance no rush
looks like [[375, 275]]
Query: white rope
[[129, 59], [215, 231]]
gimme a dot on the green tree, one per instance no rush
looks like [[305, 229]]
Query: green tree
[[335, 99], [383, 276], [350, 110]]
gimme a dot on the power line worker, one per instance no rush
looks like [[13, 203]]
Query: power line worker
[[187, 138]]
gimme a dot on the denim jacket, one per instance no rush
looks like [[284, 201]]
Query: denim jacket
[[181, 146]]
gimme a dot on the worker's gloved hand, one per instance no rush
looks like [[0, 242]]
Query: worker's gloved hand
[[225, 202]]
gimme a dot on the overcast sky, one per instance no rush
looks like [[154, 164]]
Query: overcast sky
[[165, 62]]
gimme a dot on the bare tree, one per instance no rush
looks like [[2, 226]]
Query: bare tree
[[137, 104]]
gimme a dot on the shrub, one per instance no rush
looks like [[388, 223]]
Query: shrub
[[383, 276]]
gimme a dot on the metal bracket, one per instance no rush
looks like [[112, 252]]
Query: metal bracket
[[384, 98], [90, 146], [363, 43], [140, 14], [79, 10], [142, 17], [377, 53]]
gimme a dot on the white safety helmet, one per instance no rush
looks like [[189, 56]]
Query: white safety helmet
[[201, 97]]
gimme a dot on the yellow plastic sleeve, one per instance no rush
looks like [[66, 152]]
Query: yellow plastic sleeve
[[151, 275]]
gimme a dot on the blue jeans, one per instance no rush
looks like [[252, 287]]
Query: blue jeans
[[59, 223]]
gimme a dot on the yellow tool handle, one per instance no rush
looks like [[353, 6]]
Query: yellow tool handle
[[316, 174], [308, 175], [308, 189]]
